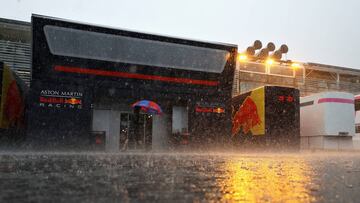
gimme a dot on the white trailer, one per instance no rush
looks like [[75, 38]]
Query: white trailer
[[356, 138], [327, 121]]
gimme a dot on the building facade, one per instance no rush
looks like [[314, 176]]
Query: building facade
[[102, 95], [85, 79]]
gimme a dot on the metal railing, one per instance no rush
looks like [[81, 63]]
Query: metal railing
[[250, 75], [17, 56]]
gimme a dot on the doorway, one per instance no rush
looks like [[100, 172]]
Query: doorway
[[123, 131], [136, 132]]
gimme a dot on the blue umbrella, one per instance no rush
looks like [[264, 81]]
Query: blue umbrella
[[148, 106]]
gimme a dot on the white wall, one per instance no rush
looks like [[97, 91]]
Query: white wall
[[311, 118], [114, 133], [108, 121], [161, 131], [327, 118], [327, 142], [179, 119]]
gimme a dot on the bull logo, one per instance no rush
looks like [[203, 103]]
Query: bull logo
[[14, 105], [246, 117], [73, 101]]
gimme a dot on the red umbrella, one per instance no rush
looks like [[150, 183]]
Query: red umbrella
[[148, 106]]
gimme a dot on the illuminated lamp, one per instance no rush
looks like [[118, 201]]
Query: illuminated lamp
[[242, 57], [295, 65], [269, 61]]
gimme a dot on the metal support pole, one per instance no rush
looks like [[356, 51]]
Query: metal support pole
[[294, 72], [304, 75], [267, 69]]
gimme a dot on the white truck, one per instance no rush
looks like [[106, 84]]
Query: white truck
[[327, 121], [356, 138]]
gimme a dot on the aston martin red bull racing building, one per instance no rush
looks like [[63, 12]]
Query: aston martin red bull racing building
[[267, 116], [85, 79]]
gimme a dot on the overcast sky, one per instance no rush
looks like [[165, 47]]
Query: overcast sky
[[321, 31]]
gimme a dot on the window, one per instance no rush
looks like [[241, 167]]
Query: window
[[357, 104], [357, 129], [115, 48], [307, 103]]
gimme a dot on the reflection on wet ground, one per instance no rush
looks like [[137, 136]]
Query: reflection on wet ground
[[265, 179], [99, 177]]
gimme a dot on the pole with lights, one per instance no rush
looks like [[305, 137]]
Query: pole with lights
[[296, 66]]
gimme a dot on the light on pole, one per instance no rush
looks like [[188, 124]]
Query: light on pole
[[295, 66], [269, 62]]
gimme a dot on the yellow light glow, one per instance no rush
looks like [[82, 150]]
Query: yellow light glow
[[219, 110], [295, 65], [268, 180], [242, 57], [269, 62]]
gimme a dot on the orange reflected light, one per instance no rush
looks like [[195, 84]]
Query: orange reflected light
[[267, 180]]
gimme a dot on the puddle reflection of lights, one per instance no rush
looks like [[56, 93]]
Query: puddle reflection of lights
[[267, 181]]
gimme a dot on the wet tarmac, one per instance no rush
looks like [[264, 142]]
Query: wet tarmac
[[100, 177]]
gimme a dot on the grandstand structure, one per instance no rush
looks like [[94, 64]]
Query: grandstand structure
[[15, 51], [15, 47], [309, 78]]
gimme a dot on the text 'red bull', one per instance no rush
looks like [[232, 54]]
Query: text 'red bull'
[[56, 100]]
